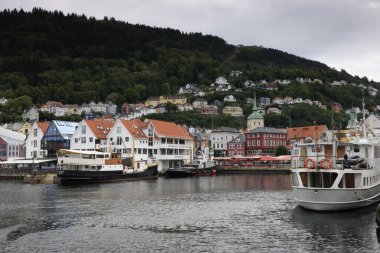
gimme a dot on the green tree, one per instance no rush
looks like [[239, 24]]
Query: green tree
[[281, 150]]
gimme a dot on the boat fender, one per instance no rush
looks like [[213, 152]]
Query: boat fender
[[325, 163], [309, 163]]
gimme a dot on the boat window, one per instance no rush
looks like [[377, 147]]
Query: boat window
[[347, 181], [295, 179], [356, 148]]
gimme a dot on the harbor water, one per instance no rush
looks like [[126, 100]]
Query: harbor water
[[232, 213]]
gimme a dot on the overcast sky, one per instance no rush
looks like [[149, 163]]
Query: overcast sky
[[344, 34]]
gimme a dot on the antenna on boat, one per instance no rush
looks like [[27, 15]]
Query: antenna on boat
[[363, 124]]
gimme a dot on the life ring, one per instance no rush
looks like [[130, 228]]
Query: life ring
[[325, 163], [309, 163]]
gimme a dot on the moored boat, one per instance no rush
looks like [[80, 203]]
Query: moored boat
[[346, 179], [94, 166], [203, 165]]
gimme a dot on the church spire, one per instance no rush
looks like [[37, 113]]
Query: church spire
[[254, 101]]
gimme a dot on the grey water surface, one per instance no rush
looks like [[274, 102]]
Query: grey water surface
[[234, 213]]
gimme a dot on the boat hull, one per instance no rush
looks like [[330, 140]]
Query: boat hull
[[319, 199], [72, 176], [190, 172]]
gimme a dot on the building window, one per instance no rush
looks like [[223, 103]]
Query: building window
[[119, 141], [91, 139], [118, 130], [126, 139], [83, 140], [35, 132], [76, 140], [83, 129]]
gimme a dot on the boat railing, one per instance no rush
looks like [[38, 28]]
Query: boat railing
[[329, 162]]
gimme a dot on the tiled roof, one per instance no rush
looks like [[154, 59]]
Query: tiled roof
[[100, 128], [307, 131], [43, 126], [169, 129], [135, 127]]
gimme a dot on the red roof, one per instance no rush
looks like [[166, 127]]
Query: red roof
[[43, 126], [307, 131], [135, 127], [100, 128], [169, 129]]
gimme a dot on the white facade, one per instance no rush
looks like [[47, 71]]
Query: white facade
[[83, 138], [33, 143], [219, 141]]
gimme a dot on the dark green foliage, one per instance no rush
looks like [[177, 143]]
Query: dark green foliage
[[74, 59], [281, 150]]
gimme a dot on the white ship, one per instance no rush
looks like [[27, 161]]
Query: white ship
[[350, 178]]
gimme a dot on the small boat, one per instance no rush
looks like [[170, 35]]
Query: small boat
[[335, 176], [94, 166], [203, 165]]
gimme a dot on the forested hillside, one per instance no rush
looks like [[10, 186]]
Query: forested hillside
[[75, 59]]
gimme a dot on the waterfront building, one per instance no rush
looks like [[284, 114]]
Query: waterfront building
[[11, 145], [264, 140], [162, 141], [33, 141], [174, 143], [219, 139], [57, 136], [297, 135], [91, 135], [236, 147]]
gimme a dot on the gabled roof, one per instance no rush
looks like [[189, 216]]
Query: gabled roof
[[66, 128], [100, 128], [169, 129], [135, 128], [11, 136], [306, 131], [43, 126]]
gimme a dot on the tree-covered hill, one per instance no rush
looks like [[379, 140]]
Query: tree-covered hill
[[75, 59]]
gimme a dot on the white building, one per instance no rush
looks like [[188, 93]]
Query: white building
[[219, 139], [33, 141], [11, 145], [162, 141], [229, 98], [91, 135]]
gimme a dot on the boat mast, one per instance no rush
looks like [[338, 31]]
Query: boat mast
[[363, 124]]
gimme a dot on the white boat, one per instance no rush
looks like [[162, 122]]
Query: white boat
[[94, 166], [337, 176]]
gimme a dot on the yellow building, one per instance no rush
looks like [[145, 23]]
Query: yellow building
[[154, 101]]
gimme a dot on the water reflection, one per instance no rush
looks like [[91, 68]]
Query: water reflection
[[330, 231], [233, 213]]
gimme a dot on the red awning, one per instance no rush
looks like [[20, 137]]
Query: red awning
[[268, 158]]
